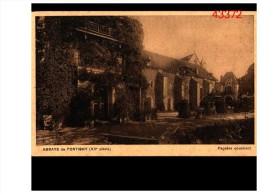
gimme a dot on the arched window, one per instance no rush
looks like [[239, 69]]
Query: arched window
[[228, 89]]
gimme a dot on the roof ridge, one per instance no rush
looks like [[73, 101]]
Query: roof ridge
[[159, 54], [165, 63]]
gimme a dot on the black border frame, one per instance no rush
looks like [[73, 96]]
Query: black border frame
[[143, 7], [144, 173]]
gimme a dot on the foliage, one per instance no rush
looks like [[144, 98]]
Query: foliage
[[244, 105], [246, 82], [107, 78], [184, 111], [220, 106], [124, 105], [223, 132], [56, 68], [56, 73], [78, 113], [129, 34], [209, 108]]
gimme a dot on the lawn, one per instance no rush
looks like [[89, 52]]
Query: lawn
[[234, 129]]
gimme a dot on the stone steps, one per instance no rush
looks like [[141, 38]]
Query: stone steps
[[165, 115]]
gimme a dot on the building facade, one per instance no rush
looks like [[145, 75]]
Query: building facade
[[179, 79], [107, 62], [164, 91], [230, 87], [151, 77]]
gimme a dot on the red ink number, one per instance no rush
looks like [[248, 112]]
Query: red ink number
[[233, 13], [227, 14], [239, 13], [221, 14], [215, 14]]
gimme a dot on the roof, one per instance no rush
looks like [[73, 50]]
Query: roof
[[165, 74], [178, 76], [97, 34], [209, 81], [199, 80], [192, 58], [172, 65], [187, 58], [228, 76]]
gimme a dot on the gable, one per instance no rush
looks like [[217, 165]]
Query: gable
[[229, 79], [193, 58]]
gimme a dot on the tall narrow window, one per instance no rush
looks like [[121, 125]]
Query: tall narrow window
[[165, 86], [151, 83], [182, 90], [119, 60]]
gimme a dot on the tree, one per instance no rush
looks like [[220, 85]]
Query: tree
[[246, 82]]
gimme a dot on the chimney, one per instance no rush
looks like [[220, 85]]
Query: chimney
[[221, 77]]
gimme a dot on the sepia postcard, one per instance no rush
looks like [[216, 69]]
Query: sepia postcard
[[154, 83]]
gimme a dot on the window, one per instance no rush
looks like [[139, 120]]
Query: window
[[229, 82], [165, 84], [119, 60], [183, 90], [151, 83], [228, 89]]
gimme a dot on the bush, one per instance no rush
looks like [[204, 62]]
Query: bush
[[124, 106], [211, 109], [78, 111], [220, 106], [199, 112], [237, 106], [247, 104], [184, 111], [224, 132]]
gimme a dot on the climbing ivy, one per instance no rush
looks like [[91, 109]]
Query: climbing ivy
[[57, 72]]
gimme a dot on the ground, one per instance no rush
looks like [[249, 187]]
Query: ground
[[167, 129]]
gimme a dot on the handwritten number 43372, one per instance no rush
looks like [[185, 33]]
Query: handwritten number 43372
[[227, 14]]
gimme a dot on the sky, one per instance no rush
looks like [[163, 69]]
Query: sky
[[225, 44]]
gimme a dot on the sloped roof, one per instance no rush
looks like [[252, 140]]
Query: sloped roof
[[227, 76], [190, 57], [173, 65], [209, 81], [170, 75], [199, 80], [187, 58], [178, 76]]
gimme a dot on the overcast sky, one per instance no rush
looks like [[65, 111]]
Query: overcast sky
[[225, 44]]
